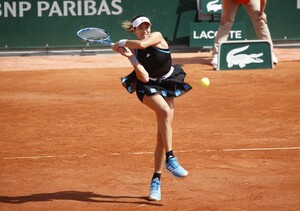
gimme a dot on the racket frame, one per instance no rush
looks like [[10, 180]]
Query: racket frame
[[106, 41]]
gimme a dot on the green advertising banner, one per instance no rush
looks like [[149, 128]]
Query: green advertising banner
[[211, 6], [50, 23], [251, 54], [203, 34], [53, 23], [283, 20]]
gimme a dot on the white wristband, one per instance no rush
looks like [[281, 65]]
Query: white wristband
[[122, 43], [133, 60]]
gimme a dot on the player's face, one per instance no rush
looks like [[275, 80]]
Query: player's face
[[143, 31]]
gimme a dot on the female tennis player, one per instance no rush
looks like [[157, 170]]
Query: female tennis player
[[156, 82]]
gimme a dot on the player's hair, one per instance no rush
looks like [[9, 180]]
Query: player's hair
[[127, 25]]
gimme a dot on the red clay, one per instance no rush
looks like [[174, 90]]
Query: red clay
[[73, 139]]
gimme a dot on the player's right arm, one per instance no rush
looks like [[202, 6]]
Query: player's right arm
[[155, 39], [140, 71]]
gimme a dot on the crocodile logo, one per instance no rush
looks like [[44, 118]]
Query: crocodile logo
[[213, 6], [233, 58]]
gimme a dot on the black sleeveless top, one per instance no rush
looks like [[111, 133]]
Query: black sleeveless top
[[156, 61]]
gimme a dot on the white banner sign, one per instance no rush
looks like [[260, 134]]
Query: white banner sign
[[63, 8]]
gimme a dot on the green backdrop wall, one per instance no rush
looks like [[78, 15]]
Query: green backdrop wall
[[283, 19], [40, 23]]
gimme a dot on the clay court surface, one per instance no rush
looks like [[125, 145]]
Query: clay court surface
[[73, 139]]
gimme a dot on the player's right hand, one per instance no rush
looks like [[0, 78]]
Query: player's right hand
[[125, 51], [115, 46]]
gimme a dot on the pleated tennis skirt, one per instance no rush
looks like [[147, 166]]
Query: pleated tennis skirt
[[173, 86]]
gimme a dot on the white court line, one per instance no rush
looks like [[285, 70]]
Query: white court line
[[228, 150], [145, 153], [43, 156], [262, 149], [140, 153]]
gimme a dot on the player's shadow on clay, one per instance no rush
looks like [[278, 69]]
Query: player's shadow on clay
[[76, 196]]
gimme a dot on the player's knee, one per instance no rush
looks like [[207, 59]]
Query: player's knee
[[166, 113]]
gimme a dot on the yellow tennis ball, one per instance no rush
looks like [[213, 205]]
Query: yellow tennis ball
[[205, 82]]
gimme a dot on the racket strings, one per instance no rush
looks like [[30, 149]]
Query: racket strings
[[94, 34]]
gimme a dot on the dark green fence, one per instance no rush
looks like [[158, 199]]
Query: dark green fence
[[49, 23], [283, 20]]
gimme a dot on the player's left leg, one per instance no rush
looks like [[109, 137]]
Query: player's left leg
[[164, 110]]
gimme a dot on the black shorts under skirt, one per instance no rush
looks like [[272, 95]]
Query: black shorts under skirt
[[173, 86]]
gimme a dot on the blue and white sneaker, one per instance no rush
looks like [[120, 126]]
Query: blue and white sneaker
[[173, 166], [155, 190]]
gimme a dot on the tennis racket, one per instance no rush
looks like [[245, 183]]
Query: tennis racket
[[94, 35]]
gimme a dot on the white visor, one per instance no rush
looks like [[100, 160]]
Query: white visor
[[139, 21]]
